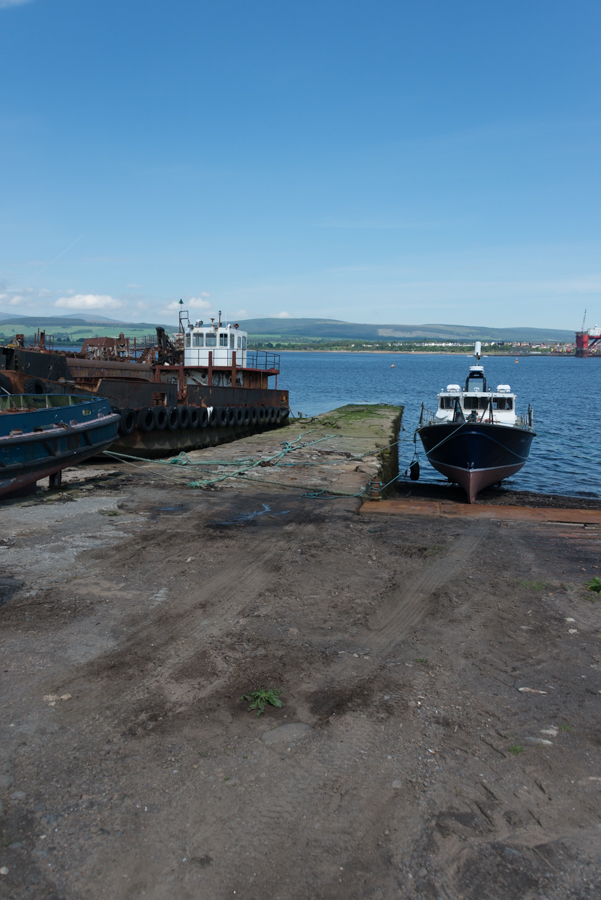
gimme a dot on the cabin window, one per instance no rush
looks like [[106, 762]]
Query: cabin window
[[198, 339], [476, 402], [502, 402], [187, 340], [239, 342], [232, 341], [447, 402], [223, 340], [244, 342], [211, 339]]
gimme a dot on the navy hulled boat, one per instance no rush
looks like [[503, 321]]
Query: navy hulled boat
[[475, 438], [40, 435]]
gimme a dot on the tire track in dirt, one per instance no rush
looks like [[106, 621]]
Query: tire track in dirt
[[321, 774], [401, 613], [303, 807], [176, 634]]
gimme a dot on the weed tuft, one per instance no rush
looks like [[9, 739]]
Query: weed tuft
[[567, 728], [516, 749], [534, 585], [594, 585], [259, 699]]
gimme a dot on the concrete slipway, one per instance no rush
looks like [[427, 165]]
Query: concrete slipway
[[440, 676]]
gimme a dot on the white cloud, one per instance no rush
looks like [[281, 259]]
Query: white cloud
[[191, 303], [238, 314], [283, 315], [89, 301], [134, 285]]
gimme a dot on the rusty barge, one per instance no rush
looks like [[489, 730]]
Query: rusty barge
[[198, 388]]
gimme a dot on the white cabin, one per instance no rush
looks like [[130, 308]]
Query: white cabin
[[477, 401], [219, 340]]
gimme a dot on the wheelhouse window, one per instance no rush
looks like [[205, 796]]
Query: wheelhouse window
[[223, 340], [476, 402], [502, 402], [447, 402], [188, 340], [211, 339], [244, 342], [198, 339], [232, 341], [239, 342]]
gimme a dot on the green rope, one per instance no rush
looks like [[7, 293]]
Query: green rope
[[288, 447]]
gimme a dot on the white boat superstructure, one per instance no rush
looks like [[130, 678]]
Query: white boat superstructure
[[476, 402], [222, 341]]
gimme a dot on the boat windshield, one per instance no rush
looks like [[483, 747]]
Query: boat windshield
[[480, 402]]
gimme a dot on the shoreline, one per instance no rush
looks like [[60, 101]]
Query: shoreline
[[424, 353]]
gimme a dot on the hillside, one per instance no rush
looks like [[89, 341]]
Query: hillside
[[328, 329], [288, 330]]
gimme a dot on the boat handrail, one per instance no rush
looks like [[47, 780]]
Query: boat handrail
[[427, 417]]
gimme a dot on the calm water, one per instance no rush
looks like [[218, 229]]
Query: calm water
[[566, 454]]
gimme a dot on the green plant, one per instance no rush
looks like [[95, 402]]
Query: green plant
[[594, 585], [516, 749], [566, 728], [422, 660], [533, 585], [259, 699]]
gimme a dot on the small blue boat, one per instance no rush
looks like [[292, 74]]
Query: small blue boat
[[40, 435]]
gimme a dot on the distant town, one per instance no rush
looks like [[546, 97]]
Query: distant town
[[497, 348]]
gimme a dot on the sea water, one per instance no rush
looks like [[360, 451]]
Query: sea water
[[564, 392]]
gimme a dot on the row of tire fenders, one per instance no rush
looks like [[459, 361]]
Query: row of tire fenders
[[172, 418]]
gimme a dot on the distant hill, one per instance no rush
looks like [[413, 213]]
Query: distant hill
[[333, 329], [294, 329], [67, 323]]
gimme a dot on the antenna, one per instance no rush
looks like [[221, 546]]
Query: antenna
[[220, 318], [478, 351], [583, 320]]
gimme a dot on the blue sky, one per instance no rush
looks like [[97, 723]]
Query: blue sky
[[376, 161]]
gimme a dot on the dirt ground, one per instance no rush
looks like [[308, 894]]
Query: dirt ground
[[441, 686]]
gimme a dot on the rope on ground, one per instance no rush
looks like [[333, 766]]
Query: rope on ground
[[288, 447], [246, 465]]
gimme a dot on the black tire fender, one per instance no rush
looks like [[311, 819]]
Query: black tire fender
[[239, 416], [128, 421], [172, 418], [246, 415], [271, 414], [203, 417], [34, 386], [261, 415], [254, 416], [145, 419], [160, 415], [278, 415], [194, 414], [222, 417], [184, 416]]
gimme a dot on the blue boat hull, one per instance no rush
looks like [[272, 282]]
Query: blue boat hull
[[476, 455], [40, 436]]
